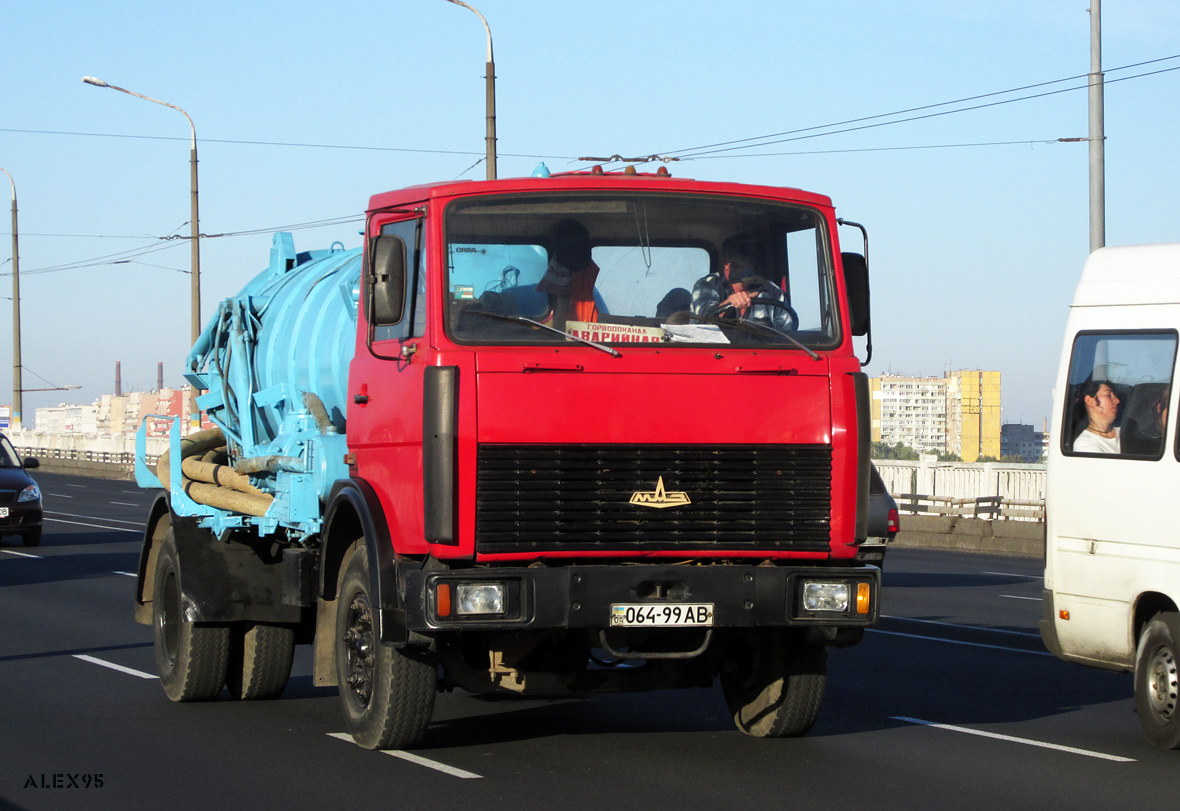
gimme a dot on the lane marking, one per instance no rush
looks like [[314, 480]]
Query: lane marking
[[22, 554], [1015, 597], [957, 625], [127, 574], [124, 503], [959, 642], [415, 759], [79, 486], [1012, 739], [58, 495], [1009, 574], [97, 526], [97, 518], [102, 663]]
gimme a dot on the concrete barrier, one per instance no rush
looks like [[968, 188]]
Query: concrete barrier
[[82, 467], [960, 534]]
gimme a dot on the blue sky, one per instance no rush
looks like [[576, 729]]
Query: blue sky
[[975, 250]]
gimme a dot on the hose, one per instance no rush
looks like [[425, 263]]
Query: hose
[[212, 484]]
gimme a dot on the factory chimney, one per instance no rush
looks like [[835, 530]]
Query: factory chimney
[[118, 379]]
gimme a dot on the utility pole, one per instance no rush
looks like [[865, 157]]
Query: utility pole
[[1096, 135], [15, 420]]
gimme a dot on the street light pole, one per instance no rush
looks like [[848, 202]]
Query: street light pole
[[16, 363], [1097, 136], [489, 91], [195, 307]]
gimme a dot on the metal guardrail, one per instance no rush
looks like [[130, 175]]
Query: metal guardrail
[[103, 457], [987, 507]]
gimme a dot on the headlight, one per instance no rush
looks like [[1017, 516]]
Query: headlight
[[826, 596], [30, 493], [479, 598]]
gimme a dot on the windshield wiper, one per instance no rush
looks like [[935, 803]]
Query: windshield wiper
[[614, 353], [754, 327]]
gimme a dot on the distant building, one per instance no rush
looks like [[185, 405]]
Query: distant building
[[957, 413], [118, 414], [67, 419], [1024, 441]]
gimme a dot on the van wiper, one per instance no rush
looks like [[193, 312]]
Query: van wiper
[[614, 353], [756, 327]]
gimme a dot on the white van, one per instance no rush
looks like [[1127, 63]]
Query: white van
[[1112, 546]]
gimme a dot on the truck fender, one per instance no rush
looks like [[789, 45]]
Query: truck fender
[[158, 523], [354, 511]]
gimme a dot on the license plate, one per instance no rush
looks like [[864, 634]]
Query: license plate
[[633, 615], [3, 512]]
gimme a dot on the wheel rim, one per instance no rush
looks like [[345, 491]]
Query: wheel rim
[[1163, 683], [358, 646], [168, 618]]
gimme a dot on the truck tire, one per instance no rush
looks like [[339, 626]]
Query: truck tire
[[773, 683], [190, 657], [1157, 680], [387, 694], [260, 661]]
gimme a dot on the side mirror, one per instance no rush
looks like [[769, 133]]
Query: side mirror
[[856, 281], [31, 462], [387, 280]]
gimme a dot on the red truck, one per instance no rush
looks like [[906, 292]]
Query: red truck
[[594, 431]]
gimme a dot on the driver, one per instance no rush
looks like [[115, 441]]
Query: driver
[[737, 291]]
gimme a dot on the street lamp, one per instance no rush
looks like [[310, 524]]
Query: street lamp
[[490, 85], [16, 389], [195, 329]]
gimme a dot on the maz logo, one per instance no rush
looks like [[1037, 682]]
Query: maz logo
[[660, 498]]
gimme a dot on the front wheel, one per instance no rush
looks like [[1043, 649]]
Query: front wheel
[[387, 694], [1157, 680], [190, 657], [773, 682], [32, 537]]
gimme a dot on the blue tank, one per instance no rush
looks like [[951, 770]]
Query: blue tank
[[274, 363]]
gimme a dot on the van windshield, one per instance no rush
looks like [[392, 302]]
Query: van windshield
[[639, 268]]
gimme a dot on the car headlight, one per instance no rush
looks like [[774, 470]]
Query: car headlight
[[30, 493]]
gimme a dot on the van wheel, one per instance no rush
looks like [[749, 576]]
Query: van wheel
[[773, 683], [190, 657], [260, 661], [387, 694], [1157, 680]]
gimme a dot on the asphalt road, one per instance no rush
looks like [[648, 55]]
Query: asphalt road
[[951, 703]]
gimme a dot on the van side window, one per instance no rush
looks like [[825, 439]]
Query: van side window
[[1119, 394]]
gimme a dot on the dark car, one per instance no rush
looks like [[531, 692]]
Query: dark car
[[883, 521], [20, 497]]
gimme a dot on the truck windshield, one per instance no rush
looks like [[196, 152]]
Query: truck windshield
[[639, 268]]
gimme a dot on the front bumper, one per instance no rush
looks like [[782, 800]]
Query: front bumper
[[742, 596]]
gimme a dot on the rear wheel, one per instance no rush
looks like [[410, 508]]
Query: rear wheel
[[190, 657], [387, 694], [773, 683], [1157, 680], [260, 661]]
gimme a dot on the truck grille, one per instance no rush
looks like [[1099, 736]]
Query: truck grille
[[579, 497]]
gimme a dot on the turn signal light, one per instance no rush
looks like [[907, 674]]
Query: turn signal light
[[862, 598], [442, 599], [1063, 614]]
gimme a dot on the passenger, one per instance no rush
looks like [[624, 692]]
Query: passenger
[[735, 289], [1098, 406], [676, 300], [1146, 420], [569, 279]]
